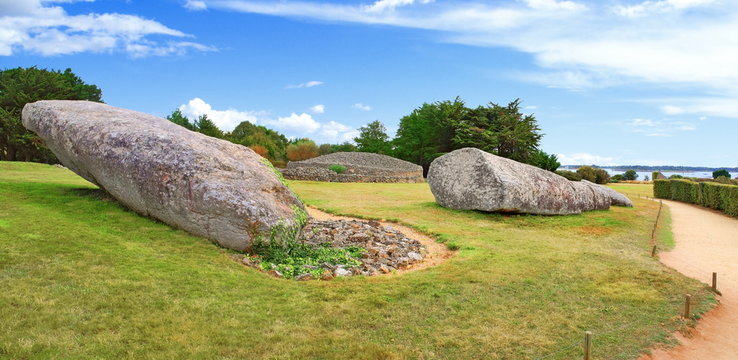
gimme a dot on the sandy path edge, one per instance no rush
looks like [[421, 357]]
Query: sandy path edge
[[706, 241], [437, 253]]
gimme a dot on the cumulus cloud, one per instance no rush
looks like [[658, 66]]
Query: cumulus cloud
[[318, 109], [40, 27], [195, 5], [226, 120], [295, 125], [361, 107], [334, 132], [308, 84]]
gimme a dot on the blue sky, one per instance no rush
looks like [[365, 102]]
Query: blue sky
[[610, 82]]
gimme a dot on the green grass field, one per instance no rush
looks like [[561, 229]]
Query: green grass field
[[84, 278]]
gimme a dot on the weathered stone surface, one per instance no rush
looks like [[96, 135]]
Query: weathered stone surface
[[206, 186], [360, 167], [471, 179], [616, 198]]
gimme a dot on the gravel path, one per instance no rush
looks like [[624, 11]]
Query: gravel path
[[706, 241]]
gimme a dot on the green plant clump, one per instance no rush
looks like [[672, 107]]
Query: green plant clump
[[300, 258], [569, 175], [338, 169], [717, 196]]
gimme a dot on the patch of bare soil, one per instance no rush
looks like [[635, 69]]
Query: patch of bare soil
[[706, 242]]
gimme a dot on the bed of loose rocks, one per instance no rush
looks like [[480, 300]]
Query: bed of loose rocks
[[387, 249]]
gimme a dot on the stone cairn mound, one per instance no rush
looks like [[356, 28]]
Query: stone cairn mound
[[360, 167], [387, 248]]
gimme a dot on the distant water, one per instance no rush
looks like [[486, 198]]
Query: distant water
[[642, 174]]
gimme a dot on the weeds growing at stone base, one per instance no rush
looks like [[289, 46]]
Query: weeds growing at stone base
[[82, 277]]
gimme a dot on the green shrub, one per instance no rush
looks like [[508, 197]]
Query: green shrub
[[617, 178], [662, 189], [338, 169], [721, 172], [686, 191], [712, 195], [570, 175], [675, 176], [630, 175], [593, 174], [723, 180], [729, 199]]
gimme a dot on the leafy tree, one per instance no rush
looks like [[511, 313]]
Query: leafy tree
[[617, 178], [646, 178], [545, 161], [262, 151], [206, 126], [20, 86], [324, 149], [178, 118], [302, 149], [500, 130], [721, 172], [593, 174], [427, 132], [344, 147], [630, 175], [569, 175], [373, 138], [435, 129], [248, 134]]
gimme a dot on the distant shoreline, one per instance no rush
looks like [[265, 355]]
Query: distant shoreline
[[665, 168]]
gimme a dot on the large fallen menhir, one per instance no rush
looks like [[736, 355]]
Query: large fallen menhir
[[206, 186], [471, 179]]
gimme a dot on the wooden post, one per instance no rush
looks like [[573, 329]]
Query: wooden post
[[687, 300], [653, 251], [714, 282], [587, 345]]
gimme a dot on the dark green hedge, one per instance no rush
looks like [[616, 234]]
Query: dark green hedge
[[709, 194], [662, 189]]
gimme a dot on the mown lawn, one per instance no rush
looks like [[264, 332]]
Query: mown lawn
[[82, 277]]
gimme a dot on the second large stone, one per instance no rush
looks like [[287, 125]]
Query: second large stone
[[471, 179]]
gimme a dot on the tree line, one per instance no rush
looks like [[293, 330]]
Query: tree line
[[426, 133]]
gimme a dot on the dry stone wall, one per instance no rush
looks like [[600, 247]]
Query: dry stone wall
[[360, 167]]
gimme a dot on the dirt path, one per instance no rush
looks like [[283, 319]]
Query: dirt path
[[706, 241]]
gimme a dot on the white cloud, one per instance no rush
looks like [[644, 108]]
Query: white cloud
[[333, 132], [585, 159], [669, 43], [308, 84], [385, 5], [294, 126], [658, 7], [361, 107], [651, 127], [318, 109], [35, 26], [295, 123], [195, 5], [226, 120]]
